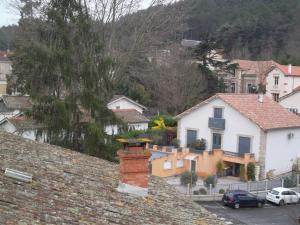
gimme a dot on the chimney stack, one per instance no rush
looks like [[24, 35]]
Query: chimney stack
[[134, 166], [290, 69]]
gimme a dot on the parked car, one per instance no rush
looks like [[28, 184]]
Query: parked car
[[281, 196], [239, 198]]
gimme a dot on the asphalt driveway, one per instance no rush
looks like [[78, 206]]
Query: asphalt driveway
[[269, 215]]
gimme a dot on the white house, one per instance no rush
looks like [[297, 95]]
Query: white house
[[291, 101], [129, 112], [282, 80], [278, 79], [22, 126], [5, 70], [123, 102], [244, 123], [13, 105]]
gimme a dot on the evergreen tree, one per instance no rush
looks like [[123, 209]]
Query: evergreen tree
[[62, 66]]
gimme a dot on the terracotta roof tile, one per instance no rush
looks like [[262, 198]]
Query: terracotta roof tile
[[72, 188], [267, 115]]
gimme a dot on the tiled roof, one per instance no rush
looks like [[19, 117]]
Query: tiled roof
[[17, 102], [130, 115], [267, 115], [261, 67], [72, 188], [117, 97], [295, 70], [24, 123], [254, 67]]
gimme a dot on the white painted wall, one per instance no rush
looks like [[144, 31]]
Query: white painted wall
[[270, 85], [235, 125], [113, 129], [292, 101], [280, 151], [124, 104], [292, 83], [5, 67], [286, 83]]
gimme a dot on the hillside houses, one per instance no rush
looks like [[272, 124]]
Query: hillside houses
[[237, 129]]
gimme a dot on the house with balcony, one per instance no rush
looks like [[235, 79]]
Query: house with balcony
[[242, 124]]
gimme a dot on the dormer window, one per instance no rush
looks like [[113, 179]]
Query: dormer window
[[218, 112]]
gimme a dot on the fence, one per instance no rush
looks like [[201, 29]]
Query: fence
[[201, 192]]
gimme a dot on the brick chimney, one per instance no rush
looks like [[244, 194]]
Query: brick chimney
[[134, 166]]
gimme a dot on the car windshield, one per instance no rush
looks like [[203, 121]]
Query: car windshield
[[274, 192]]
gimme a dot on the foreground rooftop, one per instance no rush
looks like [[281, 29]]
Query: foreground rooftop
[[73, 188]]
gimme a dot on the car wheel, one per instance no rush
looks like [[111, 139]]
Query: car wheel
[[236, 205], [281, 203], [260, 205]]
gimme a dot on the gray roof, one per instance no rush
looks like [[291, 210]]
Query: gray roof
[[117, 97], [130, 116], [190, 43], [17, 102], [72, 188]]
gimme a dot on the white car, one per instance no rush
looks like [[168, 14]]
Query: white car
[[283, 196]]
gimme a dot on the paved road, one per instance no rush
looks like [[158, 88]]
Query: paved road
[[269, 215]]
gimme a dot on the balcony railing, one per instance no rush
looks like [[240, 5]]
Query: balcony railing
[[237, 154], [216, 123]]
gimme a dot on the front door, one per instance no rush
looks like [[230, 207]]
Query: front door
[[193, 166], [217, 141]]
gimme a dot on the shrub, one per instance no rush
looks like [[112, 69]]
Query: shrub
[[187, 177], [220, 168], [289, 182], [202, 191], [251, 171], [196, 192], [199, 144], [175, 142], [242, 172], [221, 191], [210, 180], [169, 121]]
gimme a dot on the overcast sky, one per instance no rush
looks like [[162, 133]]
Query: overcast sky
[[8, 15]]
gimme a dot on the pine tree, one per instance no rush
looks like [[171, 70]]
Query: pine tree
[[62, 66]]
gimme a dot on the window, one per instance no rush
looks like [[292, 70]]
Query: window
[[275, 97], [179, 163], [217, 141], [249, 88], [167, 165], [191, 137], [118, 107], [232, 86], [276, 81], [218, 112], [244, 145]]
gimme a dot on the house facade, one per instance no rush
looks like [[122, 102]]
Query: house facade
[[242, 124], [291, 101], [278, 79], [5, 70], [123, 102], [129, 112]]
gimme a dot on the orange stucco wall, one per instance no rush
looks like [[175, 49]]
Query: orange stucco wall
[[205, 163]]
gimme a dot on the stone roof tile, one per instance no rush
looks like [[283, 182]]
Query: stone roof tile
[[72, 188]]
